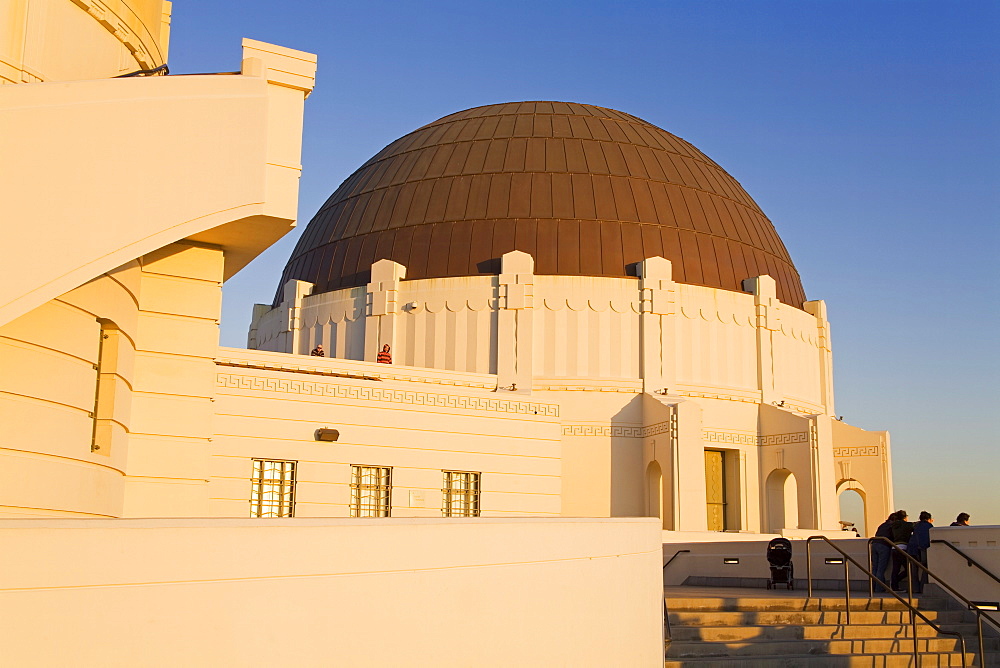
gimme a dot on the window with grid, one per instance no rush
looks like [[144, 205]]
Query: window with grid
[[272, 492], [460, 494], [371, 487]]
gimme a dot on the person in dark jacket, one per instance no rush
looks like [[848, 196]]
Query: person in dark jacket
[[881, 551], [919, 543], [961, 521], [318, 351], [901, 532]]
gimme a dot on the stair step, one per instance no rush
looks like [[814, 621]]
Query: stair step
[[802, 617], [754, 633], [927, 660], [752, 604], [681, 649]]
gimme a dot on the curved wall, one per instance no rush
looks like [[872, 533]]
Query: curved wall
[[108, 37], [583, 328], [66, 376]]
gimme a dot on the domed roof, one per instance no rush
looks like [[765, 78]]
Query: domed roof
[[587, 191]]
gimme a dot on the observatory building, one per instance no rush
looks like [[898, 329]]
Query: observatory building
[[582, 257], [598, 345]]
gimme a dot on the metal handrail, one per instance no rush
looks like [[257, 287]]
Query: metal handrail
[[910, 562], [674, 557], [145, 73], [914, 612], [667, 633], [970, 560]]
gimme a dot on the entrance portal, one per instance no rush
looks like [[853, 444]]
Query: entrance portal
[[715, 489], [782, 501]]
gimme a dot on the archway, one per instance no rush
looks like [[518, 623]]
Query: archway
[[654, 491], [853, 504], [782, 494]]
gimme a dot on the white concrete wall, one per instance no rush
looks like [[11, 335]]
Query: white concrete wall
[[110, 37], [712, 343], [758, 372], [48, 394], [420, 422], [297, 592], [982, 543], [706, 554]]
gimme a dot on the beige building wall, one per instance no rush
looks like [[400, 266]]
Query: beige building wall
[[739, 374], [110, 304], [416, 421], [173, 404], [981, 543], [108, 38], [863, 465], [67, 372], [388, 592]]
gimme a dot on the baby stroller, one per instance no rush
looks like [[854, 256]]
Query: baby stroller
[[779, 555]]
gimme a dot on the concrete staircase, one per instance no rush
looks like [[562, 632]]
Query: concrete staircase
[[750, 629]]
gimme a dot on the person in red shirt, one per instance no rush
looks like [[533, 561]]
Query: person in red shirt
[[384, 357]]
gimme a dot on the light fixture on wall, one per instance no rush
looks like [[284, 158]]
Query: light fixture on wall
[[837, 561], [984, 605], [328, 435], [730, 560]]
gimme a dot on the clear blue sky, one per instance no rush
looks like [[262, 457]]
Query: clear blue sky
[[866, 130]]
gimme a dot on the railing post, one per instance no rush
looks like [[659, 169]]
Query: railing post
[[982, 646], [847, 588], [809, 565], [871, 567]]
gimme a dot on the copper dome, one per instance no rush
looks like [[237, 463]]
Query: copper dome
[[587, 191]]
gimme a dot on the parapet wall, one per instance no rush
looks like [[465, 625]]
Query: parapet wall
[[386, 592]]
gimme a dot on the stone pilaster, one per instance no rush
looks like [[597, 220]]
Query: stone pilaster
[[293, 293], [767, 306], [818, 309], [657, 306], [515, 322], [382, 306]]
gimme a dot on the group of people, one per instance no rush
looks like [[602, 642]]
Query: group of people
[[912, 537], [384, 356]]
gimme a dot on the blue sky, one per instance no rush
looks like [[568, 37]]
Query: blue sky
[[865, 129]]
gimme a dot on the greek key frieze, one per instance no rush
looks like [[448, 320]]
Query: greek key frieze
[[615, 431], [860, 451], [388, 395], [784, 439], [730, 437]]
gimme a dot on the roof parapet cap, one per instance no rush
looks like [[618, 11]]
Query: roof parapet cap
[[279, 65]]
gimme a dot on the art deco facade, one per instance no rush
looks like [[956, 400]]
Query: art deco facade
[[583, 257], [588, 317]]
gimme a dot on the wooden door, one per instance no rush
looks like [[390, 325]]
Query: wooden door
[[715, 490]]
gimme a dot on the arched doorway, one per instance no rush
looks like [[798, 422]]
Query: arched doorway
[[654, 491], [853, 504], [782, 493]]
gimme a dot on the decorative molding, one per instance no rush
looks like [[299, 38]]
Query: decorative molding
[[738, 438], [384, 394], [729, 437], [784, 439], [734, 438], [114, 24], [616, 431], [858, 451], [376, 372], [717, 395]]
